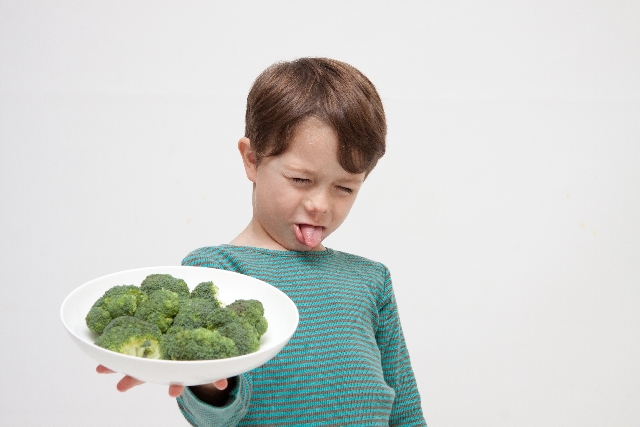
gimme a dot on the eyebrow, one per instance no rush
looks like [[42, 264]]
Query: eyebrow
[[350, 181], [293, 169]]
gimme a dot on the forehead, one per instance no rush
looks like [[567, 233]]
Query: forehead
[[313, 130], [313, 149]]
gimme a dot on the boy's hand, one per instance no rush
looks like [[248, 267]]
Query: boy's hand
[[128, 382]]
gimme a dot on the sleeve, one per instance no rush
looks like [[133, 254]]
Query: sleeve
[[396, 365], [196, 412], [201, 414]]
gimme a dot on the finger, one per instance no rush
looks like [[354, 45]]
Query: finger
[[221, 384], [175, 390], [127, 383], [103, 370]]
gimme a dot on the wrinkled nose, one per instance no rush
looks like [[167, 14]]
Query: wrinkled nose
[[317, 202]]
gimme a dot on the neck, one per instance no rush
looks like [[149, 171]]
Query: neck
[[254, 235]]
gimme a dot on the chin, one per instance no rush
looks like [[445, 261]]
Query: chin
[[320, 247], [301, 247]]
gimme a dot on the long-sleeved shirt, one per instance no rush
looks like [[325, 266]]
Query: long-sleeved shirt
[[346, 364]]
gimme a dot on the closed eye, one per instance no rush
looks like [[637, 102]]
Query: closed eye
[[345, 189], [301, 180]]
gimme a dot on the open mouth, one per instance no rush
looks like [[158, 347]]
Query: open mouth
[[309, 235]]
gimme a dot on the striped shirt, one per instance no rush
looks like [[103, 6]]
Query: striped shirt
[[346, 364]]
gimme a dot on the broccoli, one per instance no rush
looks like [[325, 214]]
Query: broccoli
[[196, 344], [132, 336], [162, 319], [198, 313], [194, 313], [243, 335], [118, 301], [160, 308], [252, 311], [208, 291], [153, 282], [220, 317]]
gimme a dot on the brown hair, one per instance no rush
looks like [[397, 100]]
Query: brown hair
[[338, 94]]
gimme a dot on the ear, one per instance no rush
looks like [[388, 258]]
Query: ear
[[248, 158]]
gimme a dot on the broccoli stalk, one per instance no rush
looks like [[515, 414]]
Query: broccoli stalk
[[132, 336]]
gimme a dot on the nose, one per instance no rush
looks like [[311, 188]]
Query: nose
[[317, 202]]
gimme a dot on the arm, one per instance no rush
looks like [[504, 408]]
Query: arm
[[213, 393], [205, 405], [195, 408], [396, 365], [223, 403]]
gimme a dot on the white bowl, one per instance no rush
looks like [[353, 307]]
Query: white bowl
[[280, 311]]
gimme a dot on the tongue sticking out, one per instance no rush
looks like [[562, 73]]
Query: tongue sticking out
[[311, 235]]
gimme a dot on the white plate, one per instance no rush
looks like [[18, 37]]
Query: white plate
[[280, 311]]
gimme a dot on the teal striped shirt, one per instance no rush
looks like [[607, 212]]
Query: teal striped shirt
[[346, 364]]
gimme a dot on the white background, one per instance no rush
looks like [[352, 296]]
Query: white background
[[507, 206]]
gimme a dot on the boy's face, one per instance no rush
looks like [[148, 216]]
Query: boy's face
[[302, 195]]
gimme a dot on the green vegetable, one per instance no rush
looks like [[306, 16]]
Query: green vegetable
[[253, 312], [118, 301], [160, 308], [162, 319], [220, 317], [207, 291], [193, 314], [153, 282], [196, 344], [243, 335], [132, 336]]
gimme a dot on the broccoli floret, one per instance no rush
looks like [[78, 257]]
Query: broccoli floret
[[207, 291], [132, 336], [253, 312], [243, 334], [220, 317], [199, 313], [153, 282], [160, 308], [196, 344], [97, 318], [118, 301], [194, 313]]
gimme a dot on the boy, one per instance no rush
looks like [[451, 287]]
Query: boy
[[315, 128]]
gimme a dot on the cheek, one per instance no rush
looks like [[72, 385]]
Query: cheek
[[288, 202], [342, 209], [276, 201]]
